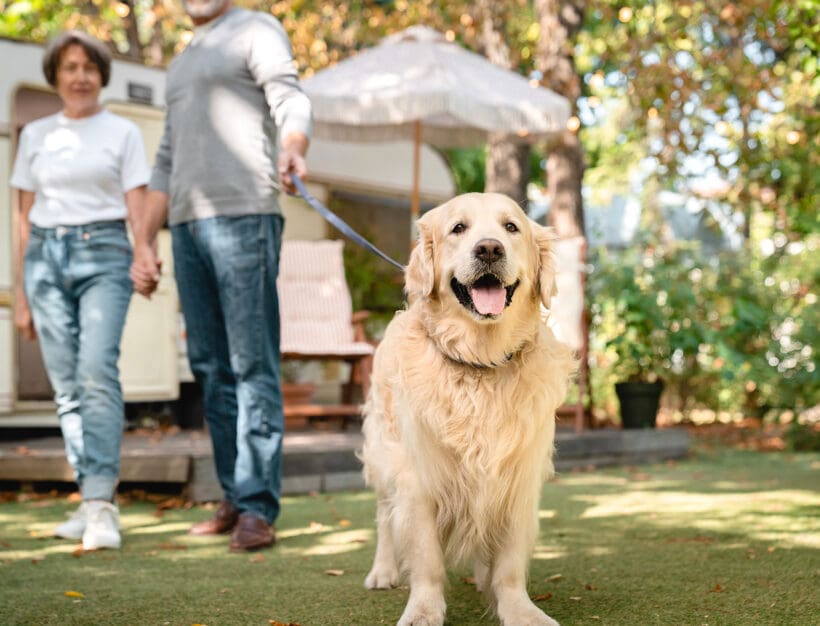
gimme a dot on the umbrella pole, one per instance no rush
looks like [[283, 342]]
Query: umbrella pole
[[414, 198]]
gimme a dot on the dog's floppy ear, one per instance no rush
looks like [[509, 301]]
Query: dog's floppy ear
[[545, 263], [419, 275]]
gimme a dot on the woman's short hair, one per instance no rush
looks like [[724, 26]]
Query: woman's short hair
[[94, 48]]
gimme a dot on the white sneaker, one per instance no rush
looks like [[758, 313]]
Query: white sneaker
[[102, 529], [74, 526]]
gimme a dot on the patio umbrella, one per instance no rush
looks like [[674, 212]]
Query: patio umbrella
[[415, 85]]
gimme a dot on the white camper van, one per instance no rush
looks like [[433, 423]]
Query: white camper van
[[375, 178]]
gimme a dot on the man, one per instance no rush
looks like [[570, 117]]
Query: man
[[235, 117]]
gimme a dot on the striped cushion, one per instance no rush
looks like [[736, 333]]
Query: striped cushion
[[314, 301]]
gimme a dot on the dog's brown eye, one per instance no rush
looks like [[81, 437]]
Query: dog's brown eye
[[458, 228], [511, 228]]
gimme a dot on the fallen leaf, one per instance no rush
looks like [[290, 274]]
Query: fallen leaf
[[334, 572], [469, 580], [344, 523], [698, 539], [589, 587], [716, 589], [594, 617], [74, 594], [172, 503], [172, 546], [37, 559], [257, 558], [541, 597], [315, 526], [273, 622], [554, 578], [4, 544]]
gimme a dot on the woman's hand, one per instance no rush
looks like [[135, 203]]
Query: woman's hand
[[23, 320], [145, 269]]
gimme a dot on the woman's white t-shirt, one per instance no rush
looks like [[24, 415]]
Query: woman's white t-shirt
[[79, 169]]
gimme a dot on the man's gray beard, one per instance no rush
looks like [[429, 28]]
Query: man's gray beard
[[208, 8]]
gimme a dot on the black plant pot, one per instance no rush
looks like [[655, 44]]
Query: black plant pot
[[639, 403]]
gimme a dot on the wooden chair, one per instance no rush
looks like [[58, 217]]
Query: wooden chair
[[568, 318], [318, 321]]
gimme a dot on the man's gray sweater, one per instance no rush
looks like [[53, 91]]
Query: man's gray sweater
[[230, 94]]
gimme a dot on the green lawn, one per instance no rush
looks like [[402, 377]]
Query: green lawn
[[727, 537]]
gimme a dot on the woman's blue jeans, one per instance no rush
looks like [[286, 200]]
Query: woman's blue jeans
[[226, 269], [78, 289]]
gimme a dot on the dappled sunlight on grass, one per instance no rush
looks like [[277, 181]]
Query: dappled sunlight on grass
[[41, 551], [155, 528], [337, 543], [591, 479], [724, 538], [546, 553], [314, 528], [676, 502]]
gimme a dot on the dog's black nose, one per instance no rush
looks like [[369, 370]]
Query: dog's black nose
[[489, 250]]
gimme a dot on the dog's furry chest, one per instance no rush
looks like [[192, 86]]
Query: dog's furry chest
[[478, 423]]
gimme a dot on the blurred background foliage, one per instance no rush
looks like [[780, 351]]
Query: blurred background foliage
[[711, 99]]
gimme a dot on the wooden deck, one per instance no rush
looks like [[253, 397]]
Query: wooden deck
[[313, 460]]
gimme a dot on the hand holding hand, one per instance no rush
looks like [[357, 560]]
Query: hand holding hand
[[145, 269]]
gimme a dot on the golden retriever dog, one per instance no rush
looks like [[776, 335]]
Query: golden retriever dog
[[460, 420]]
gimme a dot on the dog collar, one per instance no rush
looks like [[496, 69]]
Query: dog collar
[[480, 366], [483, 366]]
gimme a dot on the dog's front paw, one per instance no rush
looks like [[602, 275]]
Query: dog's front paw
[[524, 614], [425, 611], [382, 577]]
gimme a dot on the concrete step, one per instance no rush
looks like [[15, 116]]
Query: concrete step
[[313, 460]]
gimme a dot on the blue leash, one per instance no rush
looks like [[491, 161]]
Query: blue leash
[[339, 223]]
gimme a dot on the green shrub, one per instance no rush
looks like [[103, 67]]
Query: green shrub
[[733, 331]]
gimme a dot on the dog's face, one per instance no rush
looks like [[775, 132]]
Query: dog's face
[[481, 252]]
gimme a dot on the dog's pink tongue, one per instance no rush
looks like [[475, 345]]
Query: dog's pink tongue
[[488, 300]]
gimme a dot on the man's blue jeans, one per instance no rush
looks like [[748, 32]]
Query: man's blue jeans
[[77, 285], [226, 269]]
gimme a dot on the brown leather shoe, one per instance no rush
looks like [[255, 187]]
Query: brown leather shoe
[[223, 521], [251, 533]]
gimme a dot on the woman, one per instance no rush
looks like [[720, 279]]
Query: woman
[[81, 173]]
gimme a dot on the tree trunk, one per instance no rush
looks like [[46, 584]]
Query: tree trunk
[[565, 172], [154, 52], [507, 167], [560, 21], [131, 32]]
